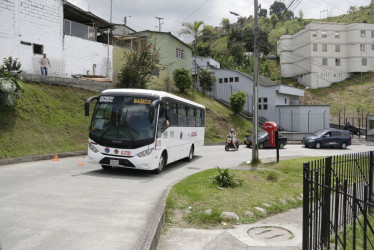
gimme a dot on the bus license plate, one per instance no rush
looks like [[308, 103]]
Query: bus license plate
[[114, 162]]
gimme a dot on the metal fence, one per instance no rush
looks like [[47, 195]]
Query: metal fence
[[302, 121], [337, 195]]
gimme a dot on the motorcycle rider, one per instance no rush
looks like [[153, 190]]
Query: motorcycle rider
[[233, 137]]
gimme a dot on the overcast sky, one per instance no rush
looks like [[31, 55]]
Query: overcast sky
[[211, 12]]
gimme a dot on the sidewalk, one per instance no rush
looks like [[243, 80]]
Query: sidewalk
[[281, 231]]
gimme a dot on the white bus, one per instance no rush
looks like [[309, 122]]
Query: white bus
[[143, 129]]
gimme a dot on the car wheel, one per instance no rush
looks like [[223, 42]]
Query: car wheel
[[343, 145], [318, 145], [227, 147], [190, 154], [281, 145], [106, 167], [161, 164], [260, 145]]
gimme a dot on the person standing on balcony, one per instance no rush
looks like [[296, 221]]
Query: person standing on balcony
[[44, 63]]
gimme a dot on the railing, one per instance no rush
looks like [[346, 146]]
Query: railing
[[337, 195], [79, 30]]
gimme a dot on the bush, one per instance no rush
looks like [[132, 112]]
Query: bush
[[206, 80], [182, 78], [10, 82], [225, 179], [237, 101]]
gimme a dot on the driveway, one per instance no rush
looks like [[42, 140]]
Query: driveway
[[62, 205]]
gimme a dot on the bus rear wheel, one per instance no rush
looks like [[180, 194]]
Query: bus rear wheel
[[190, 154], [106, 167]]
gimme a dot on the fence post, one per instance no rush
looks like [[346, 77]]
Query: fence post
[[371, 168], [345, 197], [324, 119], [325, 230], [308, 120], [292, 120], [365, 215], [339, 118], [306, 206], [354, 214]]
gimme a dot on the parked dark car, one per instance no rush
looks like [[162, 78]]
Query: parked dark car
[[263, 140], [328, 138]]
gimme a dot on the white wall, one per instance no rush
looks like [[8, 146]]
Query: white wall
[[36, 22], [81, 54]]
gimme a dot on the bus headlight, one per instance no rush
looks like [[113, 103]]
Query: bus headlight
[[145, 153], [93, 148]]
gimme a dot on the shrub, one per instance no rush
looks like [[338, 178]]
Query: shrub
[[225, 179], [272, 176], [182, 78], [237, 101], [206, 80], [10, 82]]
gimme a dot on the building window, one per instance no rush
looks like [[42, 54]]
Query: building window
[[314, 33], [372, 47], [263, 103], [285, 100], [236, 79], [324, 33], [179, 53], [220, 80], [337, 34], [324, 61], [294, 101], [337, 48], [226, 80], [372, 34], [315, 47], [324, 47], [364, 61], [337, 62], [231, 79], [362, 47], [37, 49], [363, 33], [371, 124]]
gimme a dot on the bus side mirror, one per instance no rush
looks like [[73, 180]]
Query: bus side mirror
[[152, 109], [87, 105]]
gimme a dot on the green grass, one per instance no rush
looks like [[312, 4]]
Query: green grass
[[47, 120], [268, 183], [50, 119]]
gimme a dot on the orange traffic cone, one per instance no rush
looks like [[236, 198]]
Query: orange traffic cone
[[55, 158], [80, 163]]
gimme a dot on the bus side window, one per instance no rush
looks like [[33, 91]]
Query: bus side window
[[191, 117], [198, 117], [171, 113], [161, 127], [182, 117]]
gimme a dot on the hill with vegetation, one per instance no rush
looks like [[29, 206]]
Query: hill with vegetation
[[49, 119]]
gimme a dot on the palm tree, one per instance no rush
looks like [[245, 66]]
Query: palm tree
[[194, 30]]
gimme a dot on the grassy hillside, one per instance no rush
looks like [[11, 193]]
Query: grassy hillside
[[50, 119], [352, 93]]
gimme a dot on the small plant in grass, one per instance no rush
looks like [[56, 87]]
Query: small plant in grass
[[10, 82], [225, 179], [272, 176]]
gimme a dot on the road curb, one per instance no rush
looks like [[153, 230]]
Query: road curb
[[40, 157]]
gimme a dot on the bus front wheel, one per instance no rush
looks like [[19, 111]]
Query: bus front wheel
[[161, 164]]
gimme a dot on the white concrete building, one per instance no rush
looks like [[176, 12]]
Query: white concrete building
[[70, 37], [324, 53]]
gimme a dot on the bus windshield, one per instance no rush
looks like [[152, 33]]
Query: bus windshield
[[122, 119]]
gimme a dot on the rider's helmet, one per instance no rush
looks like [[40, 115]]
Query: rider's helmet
[[232, 131]]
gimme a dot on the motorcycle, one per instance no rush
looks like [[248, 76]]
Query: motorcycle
[[229, 143]]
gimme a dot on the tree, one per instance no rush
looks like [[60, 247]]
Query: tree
[[280, 10], [182, 79], [273, 20], [237, 101], [139, 66], [206, 80], [10, 82], [226, 25], [209, 33], [194, 30], [263, 13], [301, 14]]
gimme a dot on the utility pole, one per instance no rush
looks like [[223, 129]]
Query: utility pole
[[125, 19], [159, 23], [255, 157], [111, 10]]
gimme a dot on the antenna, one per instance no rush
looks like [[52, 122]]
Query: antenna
[[159, 22]]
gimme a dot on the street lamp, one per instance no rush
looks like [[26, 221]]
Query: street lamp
[[236, 14]]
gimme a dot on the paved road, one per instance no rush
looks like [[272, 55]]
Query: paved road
[[61, 205]]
